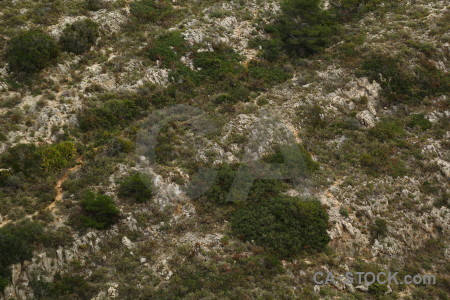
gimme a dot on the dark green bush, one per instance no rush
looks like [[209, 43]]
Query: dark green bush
[[79, 36], [150, 10], [138, 187], [304, 28], [378, 289], [379, 229], [168, 48], [112, 114], [16, 245], [420, 121], [285, 226], [30, 52], [99, 211]]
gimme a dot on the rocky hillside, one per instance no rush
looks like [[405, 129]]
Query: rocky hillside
[[110, 110]]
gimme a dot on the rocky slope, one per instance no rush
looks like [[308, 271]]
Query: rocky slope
[[329, 105]]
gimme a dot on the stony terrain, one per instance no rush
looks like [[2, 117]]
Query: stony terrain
[[328, 105]]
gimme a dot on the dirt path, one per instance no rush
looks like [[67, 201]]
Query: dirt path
[[59, 194], [60, 182]]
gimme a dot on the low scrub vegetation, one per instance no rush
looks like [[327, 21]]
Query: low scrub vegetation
[[387, 129], [111, 114], [167, 48], [401, 85], [150, 10], [419, 120], [63, 287]]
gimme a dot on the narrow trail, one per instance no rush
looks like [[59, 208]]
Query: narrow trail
[[58, 186], [58, 198]]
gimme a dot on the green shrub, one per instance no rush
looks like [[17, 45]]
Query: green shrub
[[112, 114], [343, 212], [168, 48], [58, 157], [30, 52], [304, 28], [99, 211], [379, 229], [285, 226], [138, 187], [387, 129], [377, 289], [79, 36], [420, 121], [16, 245], [150, 10]]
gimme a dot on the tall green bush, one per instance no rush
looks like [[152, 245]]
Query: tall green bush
[[79, 36], [138, 187], [30, 52], [99, 211], [16, 245], [304, 27], [285, 226], [58, 156]]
